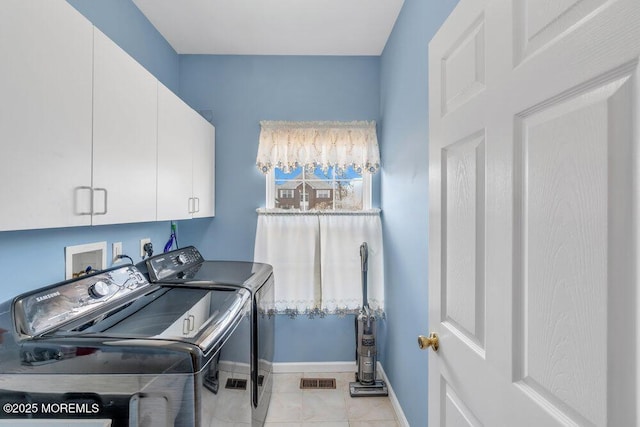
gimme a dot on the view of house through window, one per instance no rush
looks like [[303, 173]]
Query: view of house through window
[[318, 189]]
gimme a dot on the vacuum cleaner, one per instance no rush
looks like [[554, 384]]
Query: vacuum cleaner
[[366, 383]]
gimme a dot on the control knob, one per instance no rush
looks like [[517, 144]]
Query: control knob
[[99, 289], [181, 259]]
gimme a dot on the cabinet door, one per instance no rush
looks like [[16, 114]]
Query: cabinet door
[[45, 114], [175, 141], [203, 168], [125, 110]]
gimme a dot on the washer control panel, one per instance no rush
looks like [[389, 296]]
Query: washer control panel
[[44, 310], [171, 264]]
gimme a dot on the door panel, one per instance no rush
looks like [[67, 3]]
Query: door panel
[[536, 27], [463, 240], [562, 253], [463, 67], [456, 413]]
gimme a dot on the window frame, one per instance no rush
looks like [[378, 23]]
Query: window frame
[[271, 192]]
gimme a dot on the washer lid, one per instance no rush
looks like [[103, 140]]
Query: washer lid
[[214, 274], [201, 317]]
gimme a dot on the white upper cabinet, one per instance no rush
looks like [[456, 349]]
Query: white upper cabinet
[[203, 168], [185, 160], [175, 188], [89, 136], [125, 124], [45, 115]]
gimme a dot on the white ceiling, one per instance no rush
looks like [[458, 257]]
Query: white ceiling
[[274, 27]]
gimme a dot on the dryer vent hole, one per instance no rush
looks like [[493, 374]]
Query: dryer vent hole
[[236, 384], [317, 383]]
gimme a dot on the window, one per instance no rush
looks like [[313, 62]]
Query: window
[[323, 194], [318, 166], [319, 189], [287, 194]]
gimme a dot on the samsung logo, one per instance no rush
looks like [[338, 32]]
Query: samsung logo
[[47, 296]]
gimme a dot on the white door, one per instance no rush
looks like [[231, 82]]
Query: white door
[[534, 222]]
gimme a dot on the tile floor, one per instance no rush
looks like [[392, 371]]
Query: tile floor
[[292, 407]]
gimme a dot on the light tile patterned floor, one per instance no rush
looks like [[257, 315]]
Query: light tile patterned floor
[[292, 407]]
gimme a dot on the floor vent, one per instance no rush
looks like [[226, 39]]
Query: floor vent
[[317, 383], [236, 384]]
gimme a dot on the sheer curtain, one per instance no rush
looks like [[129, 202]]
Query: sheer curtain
[[316, 261], [340, 240], [292, 247]]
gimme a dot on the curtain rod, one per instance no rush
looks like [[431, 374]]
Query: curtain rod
[[289, 212], [358, 124]]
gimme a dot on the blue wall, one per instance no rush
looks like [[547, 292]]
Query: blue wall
[[35, 258], [123, 23], [240, 91], [405, 181]]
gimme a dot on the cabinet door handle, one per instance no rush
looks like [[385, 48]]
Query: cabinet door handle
[[189, 204], [90, 190], [103, 190], [192, 322], [198, 208], [185, 326]]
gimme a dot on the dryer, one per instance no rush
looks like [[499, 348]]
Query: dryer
[[250, 351]]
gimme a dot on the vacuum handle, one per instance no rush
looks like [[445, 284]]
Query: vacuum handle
[[364, 256]]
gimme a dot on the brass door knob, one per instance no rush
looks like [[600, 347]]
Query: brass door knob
[[430, 341]]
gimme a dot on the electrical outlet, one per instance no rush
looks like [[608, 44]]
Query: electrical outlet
[[142, 243], [116, 249]]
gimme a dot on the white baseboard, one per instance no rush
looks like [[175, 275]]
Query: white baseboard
[[235, 367], [402, 420], [294, 367]]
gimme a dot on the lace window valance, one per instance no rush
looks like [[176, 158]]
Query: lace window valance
[[288, 145]]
